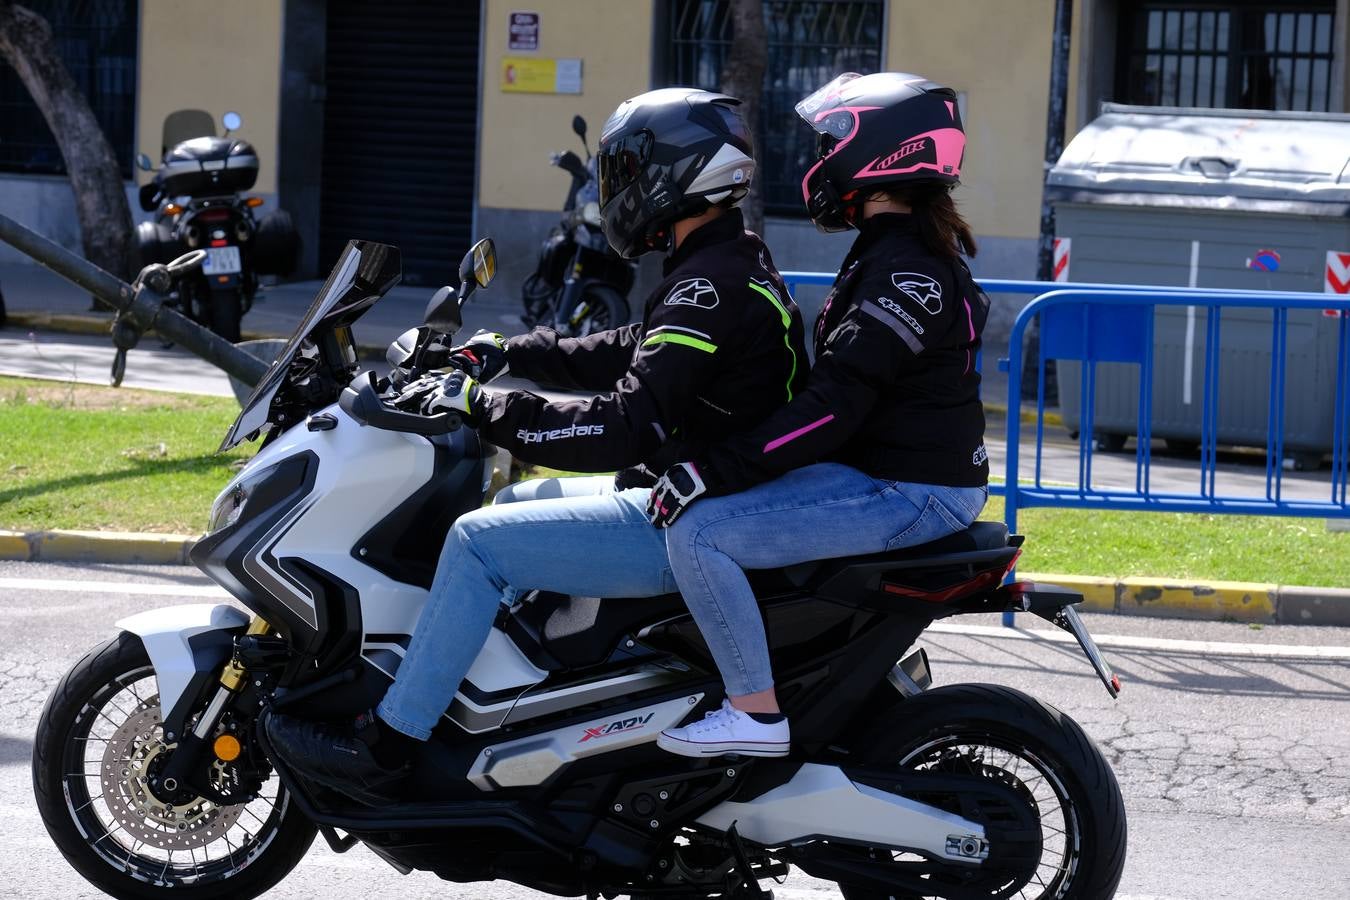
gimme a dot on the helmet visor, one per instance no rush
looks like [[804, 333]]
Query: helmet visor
[[620, 162], [822, 101]]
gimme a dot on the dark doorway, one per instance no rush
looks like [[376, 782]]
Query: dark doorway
[[400, 131]]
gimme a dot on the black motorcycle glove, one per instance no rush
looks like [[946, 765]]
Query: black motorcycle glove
[[435, 394], [681, 485], [638, 476], [483, 356]]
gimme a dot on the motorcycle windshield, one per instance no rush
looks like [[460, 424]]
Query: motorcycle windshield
[[363, 274]]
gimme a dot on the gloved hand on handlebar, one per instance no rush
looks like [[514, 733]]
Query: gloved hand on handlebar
[[434, 394], [483, 356]]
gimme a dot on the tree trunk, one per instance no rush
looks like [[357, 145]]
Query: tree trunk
[[743, 78], [100, 198]]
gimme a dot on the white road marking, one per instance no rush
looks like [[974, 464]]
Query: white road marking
[[1161, 645], [72, 586], [1120, 642]]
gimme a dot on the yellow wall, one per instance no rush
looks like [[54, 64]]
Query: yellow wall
[[999, 55], [612, 37], [204, 54]]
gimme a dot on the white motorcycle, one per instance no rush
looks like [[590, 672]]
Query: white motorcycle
[[154, 781]]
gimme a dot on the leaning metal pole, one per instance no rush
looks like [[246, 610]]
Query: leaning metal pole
[[141, 305]]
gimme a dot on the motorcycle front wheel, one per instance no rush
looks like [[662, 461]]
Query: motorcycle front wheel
[[97, 739], [995, 732]]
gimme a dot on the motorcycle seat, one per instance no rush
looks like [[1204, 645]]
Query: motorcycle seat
[[575, 632]]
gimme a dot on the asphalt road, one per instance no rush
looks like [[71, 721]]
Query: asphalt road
[[1234, 769]]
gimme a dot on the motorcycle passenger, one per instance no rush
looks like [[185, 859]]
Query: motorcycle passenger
[[720, 346], [884, 448]]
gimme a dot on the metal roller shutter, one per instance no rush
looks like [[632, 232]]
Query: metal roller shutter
[[400, 131]]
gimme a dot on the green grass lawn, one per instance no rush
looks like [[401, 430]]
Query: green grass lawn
[[77, 456], [74, 456]]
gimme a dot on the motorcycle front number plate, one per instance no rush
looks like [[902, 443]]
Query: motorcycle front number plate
[[221, 261]]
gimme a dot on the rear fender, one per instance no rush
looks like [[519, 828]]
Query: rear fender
[[187, 645]]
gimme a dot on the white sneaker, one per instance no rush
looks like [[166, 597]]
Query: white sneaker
[[726, 730]]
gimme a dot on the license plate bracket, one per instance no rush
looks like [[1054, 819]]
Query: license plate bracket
[[1069, 620]]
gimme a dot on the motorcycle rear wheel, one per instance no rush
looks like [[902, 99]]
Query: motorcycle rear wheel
[[600, 309], [1001, 733], [104, 716]]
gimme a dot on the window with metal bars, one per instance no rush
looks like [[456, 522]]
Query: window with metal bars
[[97, 42], [1235, 55], [808, 44]]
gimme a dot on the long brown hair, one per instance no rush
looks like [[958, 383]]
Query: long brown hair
[[941, 227]]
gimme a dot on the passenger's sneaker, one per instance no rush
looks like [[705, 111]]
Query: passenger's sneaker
[[727, 730]]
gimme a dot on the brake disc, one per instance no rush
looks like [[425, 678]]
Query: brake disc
[[129, 759]]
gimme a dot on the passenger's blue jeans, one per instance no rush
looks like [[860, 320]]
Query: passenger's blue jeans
[[573, 535], [817, 512]]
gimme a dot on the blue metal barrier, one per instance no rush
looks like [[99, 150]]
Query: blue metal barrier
[[1094, 323]]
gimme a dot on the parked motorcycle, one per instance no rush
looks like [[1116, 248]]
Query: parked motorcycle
[[580, 284], [198, 201], [154, 779]]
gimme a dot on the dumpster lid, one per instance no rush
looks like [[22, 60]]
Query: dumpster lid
[[1163, 156]]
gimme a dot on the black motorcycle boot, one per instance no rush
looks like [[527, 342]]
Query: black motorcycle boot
[[338, 757]]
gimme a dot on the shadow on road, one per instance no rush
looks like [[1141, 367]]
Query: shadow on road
[[1210, 674], [15, 750]]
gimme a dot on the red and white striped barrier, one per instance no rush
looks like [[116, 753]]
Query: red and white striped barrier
[[1337, 278], [1061, 269]]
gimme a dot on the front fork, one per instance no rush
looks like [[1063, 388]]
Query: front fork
[[185, 763]]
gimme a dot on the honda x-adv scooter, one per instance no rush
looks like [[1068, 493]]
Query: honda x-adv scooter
[[580, 285], [198, 204], [154, 779]]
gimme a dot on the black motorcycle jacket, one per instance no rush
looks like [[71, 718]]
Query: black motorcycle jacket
[[894, 391], [719, 347]]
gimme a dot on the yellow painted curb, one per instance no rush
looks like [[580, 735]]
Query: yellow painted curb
[[63, 322], [110, 546], [1099, 594], [14, 545], [1226, 600]]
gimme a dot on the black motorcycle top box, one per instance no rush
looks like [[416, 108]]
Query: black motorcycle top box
[[207, 166]]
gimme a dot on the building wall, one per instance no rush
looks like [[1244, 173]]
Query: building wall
[[613, 39], [203, 54], [520, 196]]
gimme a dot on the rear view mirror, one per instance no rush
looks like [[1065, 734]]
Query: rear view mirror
[[443, 313], [143, 163], [232, 121], [579, 127], [479, 266]]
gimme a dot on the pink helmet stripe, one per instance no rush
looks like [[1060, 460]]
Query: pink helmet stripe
[[950, 144]]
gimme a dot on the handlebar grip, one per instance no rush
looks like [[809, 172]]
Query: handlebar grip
[[361, 401]]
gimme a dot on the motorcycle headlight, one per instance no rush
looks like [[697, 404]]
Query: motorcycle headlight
[[229, 506]]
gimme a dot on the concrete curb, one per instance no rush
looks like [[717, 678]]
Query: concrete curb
[[1229, 601], [1224, 601], [95, 546]]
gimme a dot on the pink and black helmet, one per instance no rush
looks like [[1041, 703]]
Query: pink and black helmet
[[874, 132]]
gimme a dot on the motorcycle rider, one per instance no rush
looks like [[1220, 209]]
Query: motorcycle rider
[[884, 448], [720, 346]]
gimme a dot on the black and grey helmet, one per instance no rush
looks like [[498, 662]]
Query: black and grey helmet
[[667, 155]]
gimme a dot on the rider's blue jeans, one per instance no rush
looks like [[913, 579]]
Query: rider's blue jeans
[[573, 536], [816, 512]]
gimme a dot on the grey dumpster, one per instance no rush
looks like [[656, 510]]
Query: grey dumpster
[[1212, 199]]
